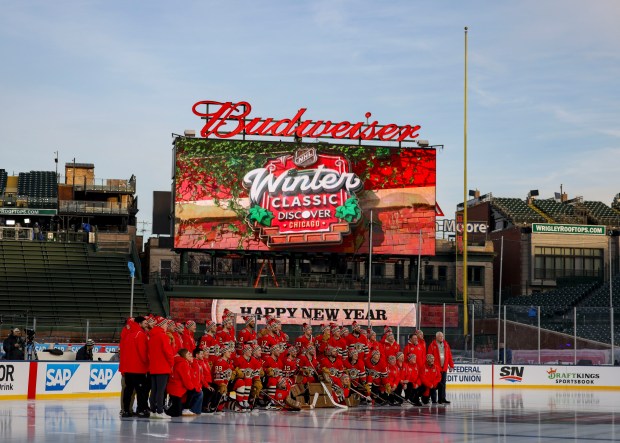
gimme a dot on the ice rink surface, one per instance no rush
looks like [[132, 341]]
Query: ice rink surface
[[501, 415]]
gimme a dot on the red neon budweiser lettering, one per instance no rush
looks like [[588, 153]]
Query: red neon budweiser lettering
[[227, 119]]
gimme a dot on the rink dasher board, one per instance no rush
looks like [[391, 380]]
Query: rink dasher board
[[58, 379], [71, 379], [530, 376]]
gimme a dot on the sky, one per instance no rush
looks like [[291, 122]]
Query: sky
[[108, 82]]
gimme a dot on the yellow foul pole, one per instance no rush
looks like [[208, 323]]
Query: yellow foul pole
[[465, 313]]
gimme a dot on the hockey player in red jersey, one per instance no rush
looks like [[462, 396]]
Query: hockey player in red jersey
[[308, 364], [256, 363], [306, 339], [356, 370], [336, 341], [377, 376], [390, 346], [289, 363], [209, 342], [331, 365], [222, 372], [358, 341], [247, 335], [272, 365], [280, 336], [226, 335], [244, 372], [267, 338], [373, 344], [322, 341]]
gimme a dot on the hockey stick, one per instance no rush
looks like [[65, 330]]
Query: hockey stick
[[358, 392], [277, 402], [327, 391]]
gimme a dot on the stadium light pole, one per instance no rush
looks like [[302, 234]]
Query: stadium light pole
[[499, 306], [417, 291], [611, 305], [465, 319], [369, 268]]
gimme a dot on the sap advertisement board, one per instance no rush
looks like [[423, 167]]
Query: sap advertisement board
[[279, 196], [66, 378], [557, 376], [14, 379]]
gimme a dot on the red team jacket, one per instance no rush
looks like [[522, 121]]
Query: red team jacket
[[134, 358], [433, 348], [161, 355], [182, 379]]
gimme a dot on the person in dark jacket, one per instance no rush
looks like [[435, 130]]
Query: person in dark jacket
[[13, 345], [85, 353]]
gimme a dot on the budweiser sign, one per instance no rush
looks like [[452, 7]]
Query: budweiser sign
[[307, 204], [227, 119]]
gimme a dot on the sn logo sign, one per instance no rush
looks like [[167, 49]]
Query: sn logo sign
[[58, 375], [513, 374], [101, 375]]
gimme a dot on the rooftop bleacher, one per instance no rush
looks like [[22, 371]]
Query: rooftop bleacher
[[39, 188], [602, 214], [51, 280], [3, 180], [559, 212], [517, 210]]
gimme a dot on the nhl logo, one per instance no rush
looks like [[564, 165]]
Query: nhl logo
[[305, 157]]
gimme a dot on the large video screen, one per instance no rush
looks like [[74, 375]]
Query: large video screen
[[284, 196]]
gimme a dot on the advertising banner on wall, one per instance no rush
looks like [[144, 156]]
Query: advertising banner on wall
[[275, 196], [471, 375], [77, 379], [300, 312], [14, 380], [556, 376]]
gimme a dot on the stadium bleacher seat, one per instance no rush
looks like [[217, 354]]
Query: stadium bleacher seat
[[66, 283]]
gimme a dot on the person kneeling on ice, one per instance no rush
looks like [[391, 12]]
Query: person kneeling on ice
[[430, 379], [283, 399], [181, 381], [221, 374], [193, 401]]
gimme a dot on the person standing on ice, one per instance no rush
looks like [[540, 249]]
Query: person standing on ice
[[440, 349]]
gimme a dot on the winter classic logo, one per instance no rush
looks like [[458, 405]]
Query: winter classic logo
[[305, 198], [513, 374], [101, 375], [568, 377], [58, 375]]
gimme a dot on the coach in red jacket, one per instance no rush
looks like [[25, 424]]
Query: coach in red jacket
[[134, 364], [440, 349], [161, 360]]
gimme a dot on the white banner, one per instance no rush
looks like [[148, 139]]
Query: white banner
[[471, 375], [67, 378], [342, 313], [557, 376], [14, 380]]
